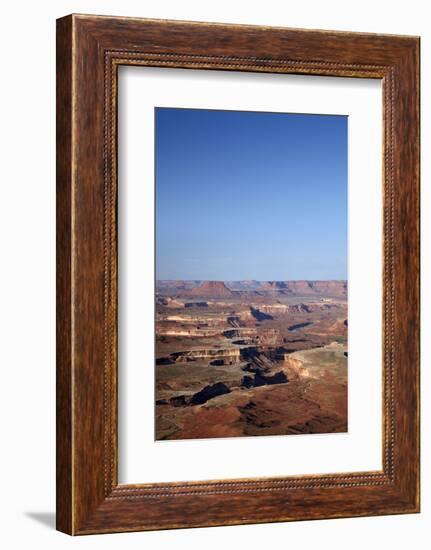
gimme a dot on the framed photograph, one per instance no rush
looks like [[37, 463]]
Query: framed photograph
[[237, 274]]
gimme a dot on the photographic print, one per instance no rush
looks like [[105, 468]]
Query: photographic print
[[251, 274]]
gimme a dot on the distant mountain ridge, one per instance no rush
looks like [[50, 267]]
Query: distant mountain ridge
[[229, 288]]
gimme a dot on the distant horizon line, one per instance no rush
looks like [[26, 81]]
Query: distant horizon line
[[258, 280]]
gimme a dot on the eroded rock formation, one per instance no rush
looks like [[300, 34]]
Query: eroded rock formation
[[212, 288]]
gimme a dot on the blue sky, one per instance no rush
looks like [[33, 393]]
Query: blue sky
[[248, 195]]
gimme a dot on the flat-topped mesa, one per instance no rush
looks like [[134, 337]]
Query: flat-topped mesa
[[245, 285], [305, 288], [230, 288], [188, 332], [230, 355], [273, 285], [313, 288], [330, 287], [212, 288]]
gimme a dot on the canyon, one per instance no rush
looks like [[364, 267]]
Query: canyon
[[247, 358]]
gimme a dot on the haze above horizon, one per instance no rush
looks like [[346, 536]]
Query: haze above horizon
[[250, 196], [254, 280]]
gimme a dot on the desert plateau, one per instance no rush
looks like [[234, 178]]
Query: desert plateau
[[249, 358]]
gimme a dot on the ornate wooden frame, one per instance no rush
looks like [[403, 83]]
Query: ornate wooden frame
[[89, 51]]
